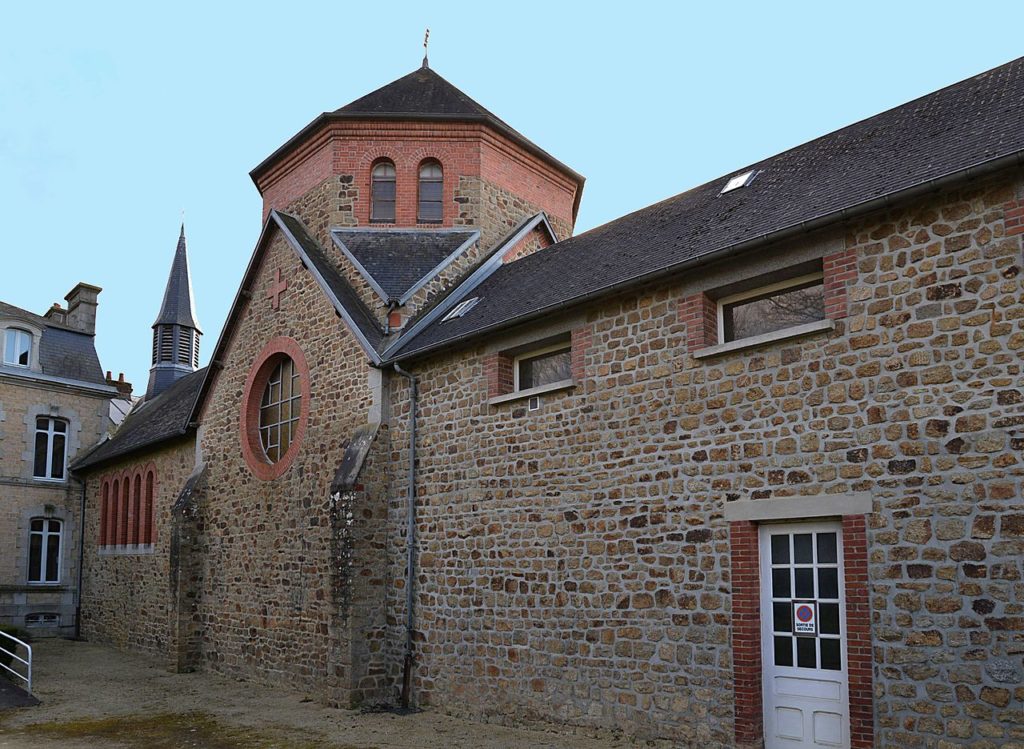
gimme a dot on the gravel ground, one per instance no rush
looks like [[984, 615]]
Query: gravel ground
[[95, 696]]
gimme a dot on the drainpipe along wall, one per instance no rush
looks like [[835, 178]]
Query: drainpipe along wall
[[81, 558], [410, 543]]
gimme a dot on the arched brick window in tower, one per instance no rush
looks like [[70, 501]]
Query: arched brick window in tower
[[382, 192], [431, 190], [275, 408]]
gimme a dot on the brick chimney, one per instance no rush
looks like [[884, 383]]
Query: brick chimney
[[82, 301], [57, 314], [124, 389]]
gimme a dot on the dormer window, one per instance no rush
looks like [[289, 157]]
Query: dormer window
[[382, 193], [17, 347], [431, 189]]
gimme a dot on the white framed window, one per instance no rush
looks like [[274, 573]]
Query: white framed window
[[44, 542], [17, 347], [551, 365], [51, 448], [767, 309]]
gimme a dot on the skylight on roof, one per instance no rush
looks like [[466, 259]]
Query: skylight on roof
[[740, 180], [461, 309]]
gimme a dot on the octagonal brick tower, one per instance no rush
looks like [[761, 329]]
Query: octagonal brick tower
[[493, 177]]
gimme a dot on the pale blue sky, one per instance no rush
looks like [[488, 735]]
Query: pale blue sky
[[114, 120]]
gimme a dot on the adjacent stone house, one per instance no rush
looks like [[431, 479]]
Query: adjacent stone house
[[54, 404], [742, 468]]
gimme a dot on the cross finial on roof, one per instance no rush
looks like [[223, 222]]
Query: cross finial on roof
[[426, 40]]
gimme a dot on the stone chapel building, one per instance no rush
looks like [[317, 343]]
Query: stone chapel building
[[742, 468]]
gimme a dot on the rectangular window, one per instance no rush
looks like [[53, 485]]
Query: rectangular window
[[50, 449], [383, 201], [544, 367], [430, 202], [17, 347], [44, 551], [767, 309]]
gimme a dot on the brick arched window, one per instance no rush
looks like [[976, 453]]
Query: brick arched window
[[431, 187], [382, 192], [104, 511], [147, 523], [136, 513]]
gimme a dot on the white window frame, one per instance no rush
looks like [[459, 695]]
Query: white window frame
[[31, 347], [761, 291], [532, 354], [50, 432], [44, 550]]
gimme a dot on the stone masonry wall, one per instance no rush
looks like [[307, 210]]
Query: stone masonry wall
[[23, 497], [126, 593], [271, 606], [574, 561]]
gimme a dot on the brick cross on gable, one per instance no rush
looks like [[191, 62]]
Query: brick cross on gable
[[276, 290]]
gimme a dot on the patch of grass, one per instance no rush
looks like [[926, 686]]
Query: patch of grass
[[172, 731]]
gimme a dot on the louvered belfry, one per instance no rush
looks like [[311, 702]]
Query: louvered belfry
[[176, 331]]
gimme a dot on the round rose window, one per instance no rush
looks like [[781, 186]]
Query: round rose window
[[275, 408]]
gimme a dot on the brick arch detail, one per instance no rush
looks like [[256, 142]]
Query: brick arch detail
[[149, 503], [259, 374], [104, 510]]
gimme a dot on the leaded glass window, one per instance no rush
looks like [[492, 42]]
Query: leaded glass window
[[280, 409]]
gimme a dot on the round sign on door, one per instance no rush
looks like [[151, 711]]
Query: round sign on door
[[805, 618]]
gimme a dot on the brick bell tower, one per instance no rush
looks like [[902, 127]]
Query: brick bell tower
[[416, 155]]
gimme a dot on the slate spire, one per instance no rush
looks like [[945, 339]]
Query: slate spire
[[178, 307], [176, 330]]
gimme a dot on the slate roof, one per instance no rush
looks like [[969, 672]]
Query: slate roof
[[344, 293], [395, 261], [178, 307], [967, 125], [420, 95], [63, 351], [162, 418]]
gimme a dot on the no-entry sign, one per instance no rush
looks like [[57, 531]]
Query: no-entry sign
[[805, 618]]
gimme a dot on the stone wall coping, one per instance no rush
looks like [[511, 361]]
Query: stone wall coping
[[759, 340], [794, 508], [125, 549], [529, 392]]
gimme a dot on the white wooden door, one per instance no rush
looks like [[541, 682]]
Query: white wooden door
[[803, 636]]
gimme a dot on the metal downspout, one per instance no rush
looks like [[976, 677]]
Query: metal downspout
[[410, 543], [81, 557]]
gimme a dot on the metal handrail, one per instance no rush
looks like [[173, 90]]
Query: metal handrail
[[27, 677]]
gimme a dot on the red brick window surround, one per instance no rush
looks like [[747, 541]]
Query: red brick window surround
[[840, 272], [746, 633], [127, 516], [500, 367], [264, 366], [699, 313]]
